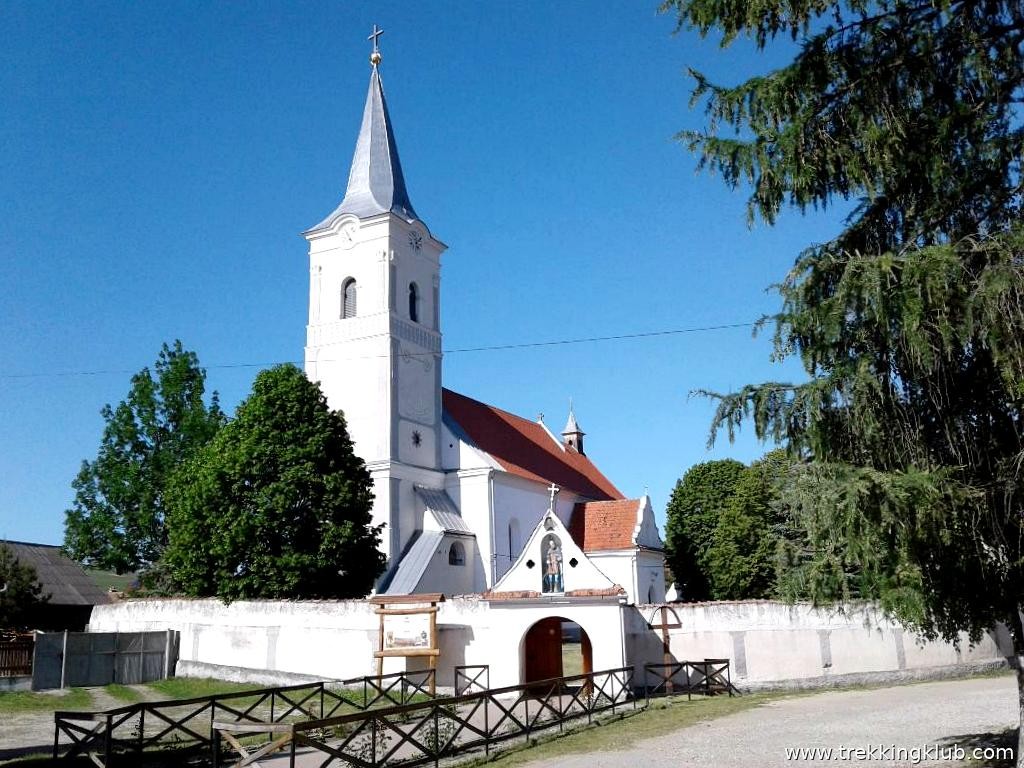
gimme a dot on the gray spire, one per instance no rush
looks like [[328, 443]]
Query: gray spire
[[572, 435], [375, 181]]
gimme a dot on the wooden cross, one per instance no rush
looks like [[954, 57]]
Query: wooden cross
[[373, 36], [553, 490], [664, 626]]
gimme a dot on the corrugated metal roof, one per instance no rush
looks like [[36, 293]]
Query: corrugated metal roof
[[440, 505], [413, 563], [64, 580]]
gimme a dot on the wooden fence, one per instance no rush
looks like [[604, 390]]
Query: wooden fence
[[16, 656], [186, 726]]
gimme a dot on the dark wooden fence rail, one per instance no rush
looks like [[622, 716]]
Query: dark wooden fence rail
[[16, 657], [187, 724], [421, 733], [470, 677], [707, 677]]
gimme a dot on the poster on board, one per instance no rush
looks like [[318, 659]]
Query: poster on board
[[412, 631]]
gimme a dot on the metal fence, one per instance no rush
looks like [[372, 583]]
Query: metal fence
[[417, 734], [186, 725], [71, 659], [16, 655], [707, 677]]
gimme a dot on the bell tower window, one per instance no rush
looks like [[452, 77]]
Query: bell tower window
[[414, 303], [456, 554], [348, 299]]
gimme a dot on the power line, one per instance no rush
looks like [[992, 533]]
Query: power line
[[453, 351]]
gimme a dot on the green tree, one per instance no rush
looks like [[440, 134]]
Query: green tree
[[277, 505], [117, 521], [20, 591], [910, 323], [743, 552], [697, 502]]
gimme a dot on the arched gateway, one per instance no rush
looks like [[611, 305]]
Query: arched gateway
[[544, 645]]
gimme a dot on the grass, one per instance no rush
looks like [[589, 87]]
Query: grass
[[625, 730], [194, 688], [17, 702], [124, 693]]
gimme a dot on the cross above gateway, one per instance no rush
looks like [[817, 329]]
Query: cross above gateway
[[553, 490]]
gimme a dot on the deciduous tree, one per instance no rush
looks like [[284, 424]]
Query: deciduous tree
[[277, 505], [698, 500], [117, 521]]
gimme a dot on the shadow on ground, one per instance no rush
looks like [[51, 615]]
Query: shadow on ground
[[995, 749]]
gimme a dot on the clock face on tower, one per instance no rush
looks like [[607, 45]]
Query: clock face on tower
[[415, 240], [348, 234]]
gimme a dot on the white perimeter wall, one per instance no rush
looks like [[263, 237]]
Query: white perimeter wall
[[336, 639], [770, 643]]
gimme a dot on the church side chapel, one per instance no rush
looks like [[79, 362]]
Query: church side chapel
[[476, 500]]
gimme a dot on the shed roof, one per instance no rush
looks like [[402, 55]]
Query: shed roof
[[64, 580]]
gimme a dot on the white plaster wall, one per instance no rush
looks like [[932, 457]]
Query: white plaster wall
[[769, 642], [471, 492], [441, 576]]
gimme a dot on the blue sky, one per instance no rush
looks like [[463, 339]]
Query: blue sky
[[158, 162]]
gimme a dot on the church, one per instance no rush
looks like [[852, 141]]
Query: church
[[474, 499]]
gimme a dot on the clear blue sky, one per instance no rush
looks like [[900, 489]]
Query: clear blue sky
[[158, 162]]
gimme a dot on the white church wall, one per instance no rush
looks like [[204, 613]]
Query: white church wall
[[470, 490], [620, 568], [443, 576], [525, 502]]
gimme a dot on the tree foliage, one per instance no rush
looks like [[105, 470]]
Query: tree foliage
[[20, 591], [742, 558], [277, 505], [117, 520], [698, 500], [910, 322]]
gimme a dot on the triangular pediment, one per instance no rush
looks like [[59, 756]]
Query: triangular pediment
[[552, 563]]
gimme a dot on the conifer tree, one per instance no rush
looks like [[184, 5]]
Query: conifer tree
[[910, 322]]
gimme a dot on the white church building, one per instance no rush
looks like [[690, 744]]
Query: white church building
[[463, 487]]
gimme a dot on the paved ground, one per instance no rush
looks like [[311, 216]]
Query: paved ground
[[950, 713]]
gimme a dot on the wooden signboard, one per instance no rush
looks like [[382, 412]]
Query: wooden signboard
[[408, 627]]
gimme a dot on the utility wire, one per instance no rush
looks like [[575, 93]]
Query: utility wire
[[454, 351]]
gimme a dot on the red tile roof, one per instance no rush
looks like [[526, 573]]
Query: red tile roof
[[604, 525], [525, 448]]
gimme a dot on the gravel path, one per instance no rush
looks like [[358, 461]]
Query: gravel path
[[909, 716]]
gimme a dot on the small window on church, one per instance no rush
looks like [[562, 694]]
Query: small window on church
[[456, 554], [348, 298], [414, 303]]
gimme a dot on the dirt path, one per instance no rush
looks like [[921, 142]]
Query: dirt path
[[32, 732], [949, 713]]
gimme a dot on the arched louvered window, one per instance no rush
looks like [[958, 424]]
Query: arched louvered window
[[348, 298], [414, 303], [456, 554]]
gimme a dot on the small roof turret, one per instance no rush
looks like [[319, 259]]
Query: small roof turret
[[572, 435]]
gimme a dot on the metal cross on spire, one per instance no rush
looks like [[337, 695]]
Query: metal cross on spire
[[375, 57]]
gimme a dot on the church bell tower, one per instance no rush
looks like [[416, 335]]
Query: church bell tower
[[374, 335]]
